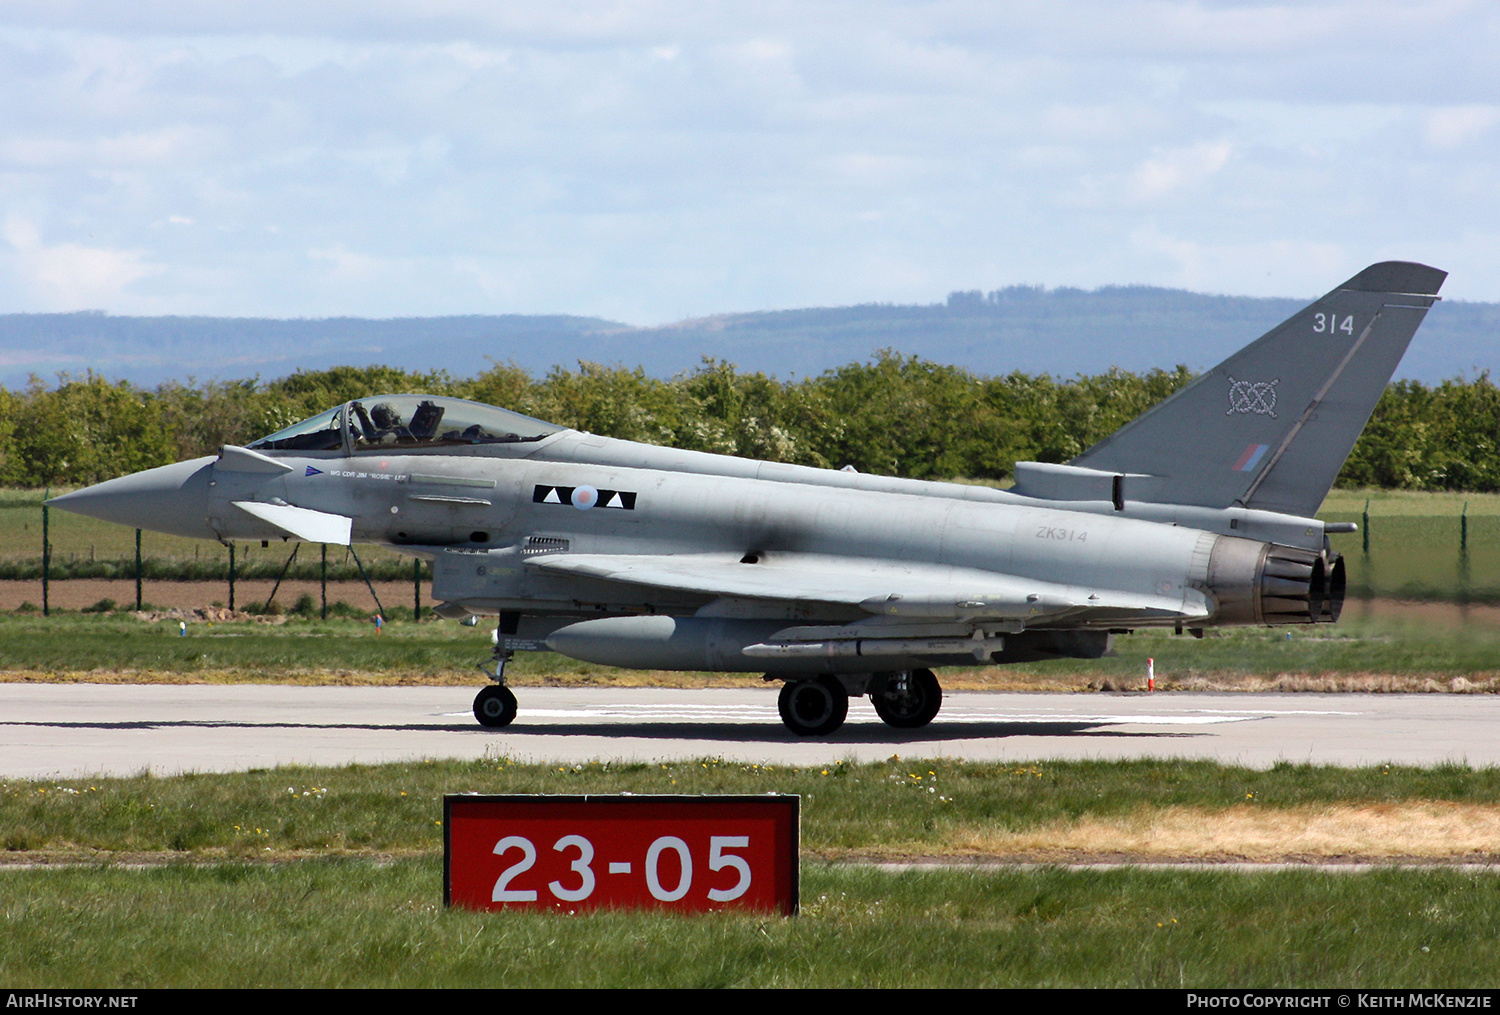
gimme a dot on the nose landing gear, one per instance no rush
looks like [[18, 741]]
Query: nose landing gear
[[495, 706]]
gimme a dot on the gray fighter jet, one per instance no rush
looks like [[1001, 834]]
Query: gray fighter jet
[[1197, 514]]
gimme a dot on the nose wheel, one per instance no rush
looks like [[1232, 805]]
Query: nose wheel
[[495, 706], [813, 708]]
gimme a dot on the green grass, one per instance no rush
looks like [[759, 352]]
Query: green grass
[[297, 650], [356, 924], [1418, 557], [302, 650], [1415, 647], [352, 897], [81, 642], [1386, 503], [893, 806]]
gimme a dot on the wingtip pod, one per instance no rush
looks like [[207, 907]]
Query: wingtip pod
[[1405, 277]]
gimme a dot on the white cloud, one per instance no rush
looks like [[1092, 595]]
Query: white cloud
[[1192, 264], [1170, 171], [70, 276], [642, 160], [1455, 126], [344, 265]]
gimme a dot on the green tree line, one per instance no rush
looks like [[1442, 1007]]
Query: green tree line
[[894, 415]]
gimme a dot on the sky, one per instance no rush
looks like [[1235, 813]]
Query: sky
[[655, 160]]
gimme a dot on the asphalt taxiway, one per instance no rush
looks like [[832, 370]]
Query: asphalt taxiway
[[73, 730]]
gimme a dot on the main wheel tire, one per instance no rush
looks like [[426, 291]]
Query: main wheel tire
[[813, 708], [911, 703], [495, 706]]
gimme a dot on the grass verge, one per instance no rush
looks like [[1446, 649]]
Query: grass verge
[[1151, 809], [359, 924], [298, 877], [1406, 652]]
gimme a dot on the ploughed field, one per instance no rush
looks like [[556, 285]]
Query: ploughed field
[[81, 594]]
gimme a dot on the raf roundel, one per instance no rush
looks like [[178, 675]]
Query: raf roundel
[[585, 497]]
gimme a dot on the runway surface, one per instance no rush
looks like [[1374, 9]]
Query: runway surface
[[74, 730]]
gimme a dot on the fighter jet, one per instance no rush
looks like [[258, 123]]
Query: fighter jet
[[1197, 514]]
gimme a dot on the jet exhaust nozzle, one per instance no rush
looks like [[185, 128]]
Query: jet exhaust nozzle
[[1275, 585]]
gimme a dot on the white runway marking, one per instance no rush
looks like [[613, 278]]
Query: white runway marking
[[671, 712], [122, 729]]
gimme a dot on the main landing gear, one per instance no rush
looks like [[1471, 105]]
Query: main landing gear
[[495, 706], [812, 708], [909, 699], [815, 707]]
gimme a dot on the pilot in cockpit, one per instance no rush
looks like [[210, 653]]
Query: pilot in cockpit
[[381, 425]]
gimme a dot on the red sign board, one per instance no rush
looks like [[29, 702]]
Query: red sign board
[[684, 853]]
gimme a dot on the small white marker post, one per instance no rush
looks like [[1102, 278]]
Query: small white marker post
[[1150, 674]]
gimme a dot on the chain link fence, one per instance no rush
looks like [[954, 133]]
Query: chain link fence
[[59, 560]]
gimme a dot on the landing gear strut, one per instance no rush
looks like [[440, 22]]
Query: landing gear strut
[[495, 706], [813, 708], [909, 699]]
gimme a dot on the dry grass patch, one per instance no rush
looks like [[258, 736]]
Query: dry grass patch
[[308, 678], [1320, 683], [1436, 830], [466, 677]]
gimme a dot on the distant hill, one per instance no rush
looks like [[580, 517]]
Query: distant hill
[[1058, 331], [148, 350]]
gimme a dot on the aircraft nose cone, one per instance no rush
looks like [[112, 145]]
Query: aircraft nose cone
[[172, 499]]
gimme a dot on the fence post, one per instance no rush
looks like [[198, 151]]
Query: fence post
[[1463, 530], [379, 609], [416, 588], [46, 555], [231, 577], [1364, 526], [325, 581], [138, 569]]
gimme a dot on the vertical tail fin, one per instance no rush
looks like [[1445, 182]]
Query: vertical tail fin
[[1270, 427]]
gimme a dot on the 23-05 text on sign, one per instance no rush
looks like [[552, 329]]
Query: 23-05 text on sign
[[686, 853]]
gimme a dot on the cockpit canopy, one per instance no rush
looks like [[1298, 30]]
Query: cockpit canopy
[[406, 423]]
